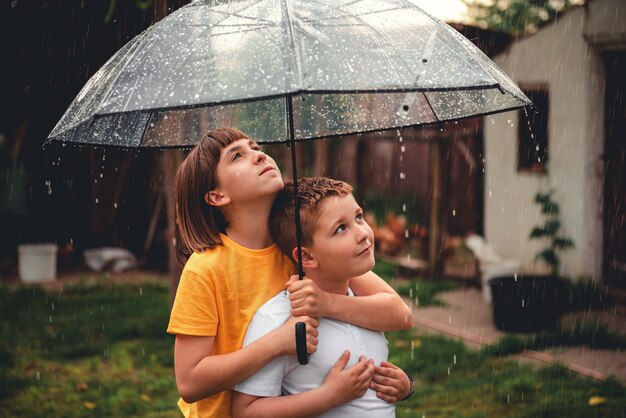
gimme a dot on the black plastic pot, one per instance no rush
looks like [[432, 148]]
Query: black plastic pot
[[527, 303]]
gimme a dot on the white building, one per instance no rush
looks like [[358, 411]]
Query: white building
[[578, 60]]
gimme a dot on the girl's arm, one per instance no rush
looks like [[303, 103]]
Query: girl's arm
[[391, 383], [340, 386], [200, 374], [378, 306]]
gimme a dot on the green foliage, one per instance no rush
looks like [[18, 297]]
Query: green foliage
[[550, 231], [385, 270], [516, 16], [407, 205], [424, 292]]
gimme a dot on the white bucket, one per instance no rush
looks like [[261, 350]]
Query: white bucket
[[37, 262]]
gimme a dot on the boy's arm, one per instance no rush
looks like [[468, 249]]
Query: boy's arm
[[340, 386], [200, 374], [375, 295]]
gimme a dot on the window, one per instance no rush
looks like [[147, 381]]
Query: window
[[533, 133]]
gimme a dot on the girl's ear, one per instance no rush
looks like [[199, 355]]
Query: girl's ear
[[308, 260], [215, 198]]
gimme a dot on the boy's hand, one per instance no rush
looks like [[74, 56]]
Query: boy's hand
[[344, 385], [286, 337], [307, 298], [390, 382]]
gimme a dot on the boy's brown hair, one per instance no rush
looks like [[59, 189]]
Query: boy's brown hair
[[198, 224], [311, 192]]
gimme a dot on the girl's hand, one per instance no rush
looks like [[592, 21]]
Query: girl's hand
[[344, 385], [286, 337], [390, 382], [307, 298]]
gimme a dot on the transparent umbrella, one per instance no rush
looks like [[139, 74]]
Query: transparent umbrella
[[322, 68], [285, 71]]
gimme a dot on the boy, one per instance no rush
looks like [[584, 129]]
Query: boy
[[336, 244]]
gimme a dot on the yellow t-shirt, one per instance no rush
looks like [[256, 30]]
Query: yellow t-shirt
[[219, 291]]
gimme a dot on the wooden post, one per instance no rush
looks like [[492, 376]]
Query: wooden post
[[434, 233], [168, 164]]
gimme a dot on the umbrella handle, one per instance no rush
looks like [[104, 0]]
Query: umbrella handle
[[303, 356]]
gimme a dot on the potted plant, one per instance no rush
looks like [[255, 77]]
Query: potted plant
[[528, 303], [550, 231]]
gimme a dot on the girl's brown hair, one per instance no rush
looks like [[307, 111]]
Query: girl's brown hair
[[198, 224]]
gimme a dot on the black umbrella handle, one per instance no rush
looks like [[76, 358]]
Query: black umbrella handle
[[303, 356]]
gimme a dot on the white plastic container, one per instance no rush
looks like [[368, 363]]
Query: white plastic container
[[37, 262]]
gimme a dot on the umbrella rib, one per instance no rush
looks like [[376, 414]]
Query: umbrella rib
[[383, 50], [458, 37], [290, 39], [338, 17], [431, 108], [237, 14], [105, 96]]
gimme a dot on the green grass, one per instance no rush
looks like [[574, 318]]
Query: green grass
[[453, 381], [585, 333], [99, 349], [92, 349]]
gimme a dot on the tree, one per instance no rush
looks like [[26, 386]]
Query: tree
[[516, 16]]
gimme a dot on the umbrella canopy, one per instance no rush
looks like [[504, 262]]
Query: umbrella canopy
[[285, 70]]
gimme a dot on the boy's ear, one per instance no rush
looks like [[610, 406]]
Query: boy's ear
[[215, 198], [308, 260]]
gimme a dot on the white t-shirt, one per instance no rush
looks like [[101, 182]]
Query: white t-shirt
[[285, 376]]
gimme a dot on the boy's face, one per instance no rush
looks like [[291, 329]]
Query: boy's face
[[343, 243], [245, 172]]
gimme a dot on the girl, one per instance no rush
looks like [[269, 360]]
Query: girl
[[224, 191]]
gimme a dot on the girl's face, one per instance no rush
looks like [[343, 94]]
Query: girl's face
[[246, 173]]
